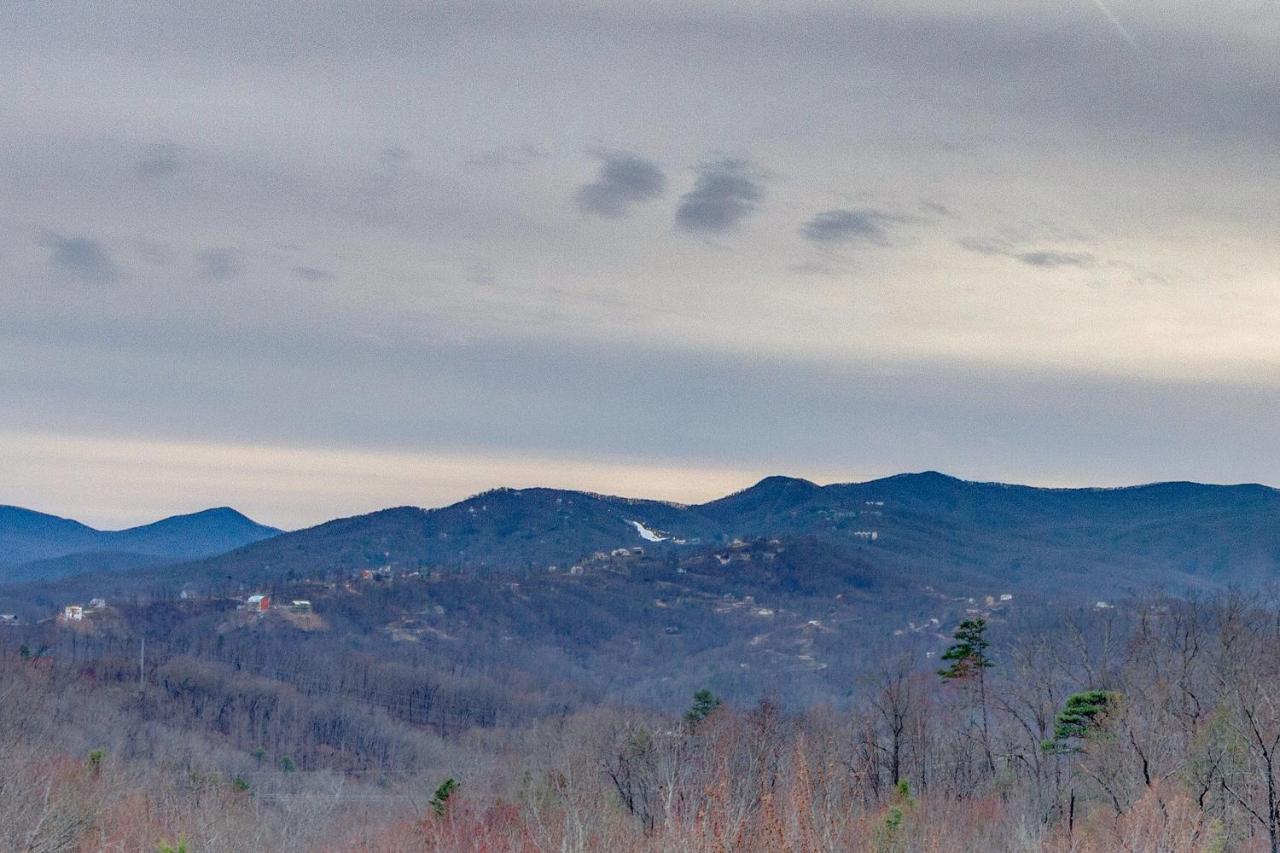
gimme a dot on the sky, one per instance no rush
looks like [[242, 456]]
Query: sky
[[311, 259]]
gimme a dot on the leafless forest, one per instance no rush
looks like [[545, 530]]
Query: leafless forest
[[1151, 726]]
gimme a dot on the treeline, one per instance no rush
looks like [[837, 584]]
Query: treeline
[[1152, 726]]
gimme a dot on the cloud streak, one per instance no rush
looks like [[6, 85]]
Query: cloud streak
[[507, 157], [1045, 259], [312, 274], [847, 226]]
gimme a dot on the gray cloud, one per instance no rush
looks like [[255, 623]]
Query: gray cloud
[[162, 160], [219, 264], [80, 258], [724, 193], [312, 273], [1050, 259], [844, 226], [624, 180], [1041, 258], [936, 208]]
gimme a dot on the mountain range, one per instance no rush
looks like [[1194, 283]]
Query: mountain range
[[925, 525], [1166, 533]]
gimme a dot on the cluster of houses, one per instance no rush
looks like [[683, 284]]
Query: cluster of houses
[[386, 574], [988, 602], [77, 612], [261, 603], [601, 557]]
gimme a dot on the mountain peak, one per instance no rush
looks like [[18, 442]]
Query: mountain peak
[[220, 518], [217, 513], [772, 494], [777, 481], [221, 511], [929, 476]]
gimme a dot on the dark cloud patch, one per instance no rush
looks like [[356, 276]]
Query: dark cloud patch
[[219, 264], [80, 258], [1040, 258], [1049, 259], [312, 274], [162, 160], [724, 193], [624, 180], [846, 226]]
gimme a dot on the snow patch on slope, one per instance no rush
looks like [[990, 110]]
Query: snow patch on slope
[[646, 534]]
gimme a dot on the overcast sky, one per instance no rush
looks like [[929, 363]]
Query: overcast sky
[[312, 259]]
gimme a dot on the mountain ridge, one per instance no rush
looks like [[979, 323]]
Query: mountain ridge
[[921, 522], [924, 523]]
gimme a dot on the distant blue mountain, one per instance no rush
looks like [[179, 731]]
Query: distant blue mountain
[[46, 546]]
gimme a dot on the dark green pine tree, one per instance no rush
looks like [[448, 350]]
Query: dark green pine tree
[[704, 702], [968, 655], [969, 663], [1079, 718], [440, 802]]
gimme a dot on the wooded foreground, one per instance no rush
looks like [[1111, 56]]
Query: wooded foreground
[[1152, 727]]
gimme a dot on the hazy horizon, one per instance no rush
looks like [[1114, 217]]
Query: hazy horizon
[[681, 486]]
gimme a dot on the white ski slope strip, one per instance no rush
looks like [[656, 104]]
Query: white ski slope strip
[[646, 534]]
